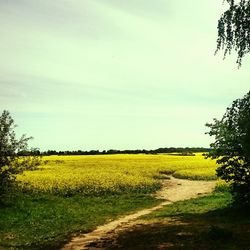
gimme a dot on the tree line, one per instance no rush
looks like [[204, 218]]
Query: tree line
[[178, 150]]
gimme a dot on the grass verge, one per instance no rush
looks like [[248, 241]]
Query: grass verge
[[46, 221], [204, 223]]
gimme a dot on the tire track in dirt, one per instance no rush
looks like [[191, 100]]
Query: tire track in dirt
[[172, 190]]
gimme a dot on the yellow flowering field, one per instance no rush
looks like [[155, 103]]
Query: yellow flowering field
[[101, 174]]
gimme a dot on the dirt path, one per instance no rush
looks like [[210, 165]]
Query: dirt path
[[173, 190]]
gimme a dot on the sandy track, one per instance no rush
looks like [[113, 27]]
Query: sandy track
[[173, 190]]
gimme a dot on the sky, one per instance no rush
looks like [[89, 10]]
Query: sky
[[115, 74]]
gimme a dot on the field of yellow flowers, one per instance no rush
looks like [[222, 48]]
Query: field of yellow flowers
[[106, 174]]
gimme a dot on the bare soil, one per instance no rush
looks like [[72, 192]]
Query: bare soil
[[172, 190]]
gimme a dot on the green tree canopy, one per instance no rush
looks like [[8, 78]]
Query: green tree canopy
[[10, 147], [231, 147], [234, 29]]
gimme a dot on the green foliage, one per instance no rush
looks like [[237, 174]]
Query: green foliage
[[234, 29], [232, 147], [10, 147]]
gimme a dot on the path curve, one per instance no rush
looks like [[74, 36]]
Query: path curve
[[172, 190]]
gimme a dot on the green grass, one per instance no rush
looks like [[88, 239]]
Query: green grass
[[217, 200], [208, 222], [47, 221]]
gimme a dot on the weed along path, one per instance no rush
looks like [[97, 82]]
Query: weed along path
[[172, 190]]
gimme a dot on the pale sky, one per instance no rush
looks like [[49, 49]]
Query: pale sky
[[102, 74]]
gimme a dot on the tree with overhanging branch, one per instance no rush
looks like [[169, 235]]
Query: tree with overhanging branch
[[234, 29], [231, 147]]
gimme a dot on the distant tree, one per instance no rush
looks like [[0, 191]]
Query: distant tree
[[234, 29], [232, 147], [10, 148], [51, 152]]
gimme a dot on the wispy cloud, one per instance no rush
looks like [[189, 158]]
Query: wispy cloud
[[145, 69]]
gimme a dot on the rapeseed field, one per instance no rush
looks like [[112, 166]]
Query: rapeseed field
[[107, 174]]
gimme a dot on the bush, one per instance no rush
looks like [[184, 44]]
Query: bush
[[232, 147], [10, 163]]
